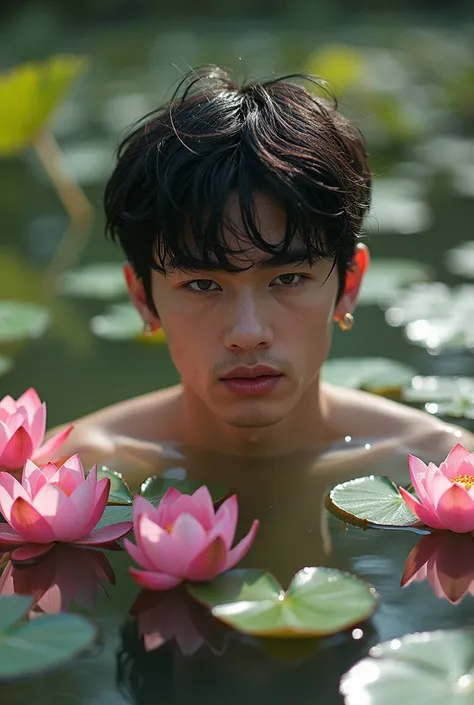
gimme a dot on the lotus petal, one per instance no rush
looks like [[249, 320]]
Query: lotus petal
[[154, 581], [242, 548]]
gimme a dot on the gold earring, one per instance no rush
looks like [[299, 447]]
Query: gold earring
[[346, 322], [147, 330]]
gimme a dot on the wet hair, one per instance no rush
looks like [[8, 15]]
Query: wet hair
[[177, 167]]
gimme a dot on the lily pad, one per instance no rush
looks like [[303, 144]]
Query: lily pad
[[122, 322], [29, 95], [114, 514], [442, 396], [319, 601], [20, 320], [104, 280], [460, 260], [6, 364], [370, 501], [426, 668], [435, 316], [119, 491], [386, 276], [43, 644], [154, 488], [398, 207], [374, 374]]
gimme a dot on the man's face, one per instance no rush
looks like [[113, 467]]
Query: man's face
[[276, 316]]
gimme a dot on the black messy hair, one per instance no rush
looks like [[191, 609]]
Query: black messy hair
[[177, 167]]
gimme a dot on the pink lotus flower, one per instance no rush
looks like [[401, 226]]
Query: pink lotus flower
[[446, 561], [173, 614], [66, 574], [184, 539], [22, 429], [445, 493], [55, 504]]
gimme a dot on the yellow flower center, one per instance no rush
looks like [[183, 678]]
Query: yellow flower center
[[466, 480]]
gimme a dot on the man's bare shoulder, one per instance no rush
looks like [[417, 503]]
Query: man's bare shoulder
[[368, 415]]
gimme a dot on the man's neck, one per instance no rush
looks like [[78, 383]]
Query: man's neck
[[306, 426]]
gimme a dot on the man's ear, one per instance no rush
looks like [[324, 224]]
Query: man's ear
[[354, 277], [137, 295]]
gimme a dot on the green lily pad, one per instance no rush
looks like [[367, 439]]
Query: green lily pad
[[119, 491], [104, 280], [20, 320], [460, 260], [398, 207], [118, 322], [114, 514], [442, 396], [32, 648], [154, 488], [386, 276], [29, 95], [6, 364], [435, 316], [374, 374], [370, 501], [426, 668], [319, 601]]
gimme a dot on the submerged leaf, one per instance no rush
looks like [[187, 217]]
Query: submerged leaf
[[427, 668], [319, 602], [370, 501]]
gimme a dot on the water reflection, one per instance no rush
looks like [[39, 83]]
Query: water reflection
[[164, 616], [446, 561], [66, 574]]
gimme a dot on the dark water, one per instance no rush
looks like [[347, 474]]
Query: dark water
[[77, 373]]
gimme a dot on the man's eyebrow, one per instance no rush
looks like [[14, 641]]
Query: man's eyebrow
[[279, 259]]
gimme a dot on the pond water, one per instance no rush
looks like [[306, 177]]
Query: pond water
[[76, 373]]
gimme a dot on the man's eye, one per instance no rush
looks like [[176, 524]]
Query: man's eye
[[288, 280], [203, 285]]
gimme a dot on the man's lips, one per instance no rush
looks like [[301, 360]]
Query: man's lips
[[244, 372]]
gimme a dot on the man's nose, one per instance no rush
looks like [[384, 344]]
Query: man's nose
[[250, 327]]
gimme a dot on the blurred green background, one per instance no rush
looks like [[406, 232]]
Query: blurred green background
[[403, 71]]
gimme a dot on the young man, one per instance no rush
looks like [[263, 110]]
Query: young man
[[239, 211]]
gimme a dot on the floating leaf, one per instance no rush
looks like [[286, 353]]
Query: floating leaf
[[119, 491], [102, 280], [442, 396], [114, 514], [374, 374], [29, 94], [427, 668], [386, 276], [19, 320], [154, 489], [319, 601], [5, 364], [40, 645], [435, 316], [121, 322], [370, 501], [460, 260], [342, 66]]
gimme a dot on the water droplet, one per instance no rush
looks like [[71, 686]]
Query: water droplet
[[348, 439], [357, 633], [367, 446]]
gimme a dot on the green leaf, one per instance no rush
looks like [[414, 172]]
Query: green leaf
[[341, 65], [427, 668], [319, 601], [442, 396], [154, 489], [114, 514], [398, 207], [102, 280], [42, 644], [19, 321], [386, 276], [373, 500], [6, 364], [29, 95], [375, 374], [122, 322], [460, 260], [12, 609], [119, 491]]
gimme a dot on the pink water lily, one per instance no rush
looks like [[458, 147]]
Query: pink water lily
[[445, 493], [185, 539], [55, 504], [22, 429]]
